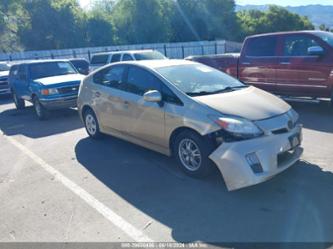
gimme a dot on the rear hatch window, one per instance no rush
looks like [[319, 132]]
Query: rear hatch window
[[99, 59]]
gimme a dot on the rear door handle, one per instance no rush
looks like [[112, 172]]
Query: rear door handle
[[97, 94]]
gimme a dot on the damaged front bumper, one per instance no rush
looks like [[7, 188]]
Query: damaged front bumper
[[249, 162]]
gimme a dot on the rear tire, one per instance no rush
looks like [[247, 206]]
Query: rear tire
[[19, 103], [41, 112], [192, 151], [91, 124]]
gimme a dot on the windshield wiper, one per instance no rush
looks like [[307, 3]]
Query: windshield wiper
[[227, 89]]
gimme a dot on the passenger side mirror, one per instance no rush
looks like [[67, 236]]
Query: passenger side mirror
[[316, 51], [152, 96]]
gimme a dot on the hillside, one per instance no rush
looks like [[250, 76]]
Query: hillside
[[318, 14]]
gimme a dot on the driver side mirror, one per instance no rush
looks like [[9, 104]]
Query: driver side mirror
[[152, 96], [316, 51]]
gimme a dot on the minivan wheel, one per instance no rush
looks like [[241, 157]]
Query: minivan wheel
[[191, 152], [91, 124], [41, 112], [19, 103]]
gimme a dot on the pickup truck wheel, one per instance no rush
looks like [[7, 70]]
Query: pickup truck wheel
[[19, 103], [191, 152], [91, 124], [41, 112]]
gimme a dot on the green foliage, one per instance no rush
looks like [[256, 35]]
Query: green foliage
[[273, 20], [57, 24]]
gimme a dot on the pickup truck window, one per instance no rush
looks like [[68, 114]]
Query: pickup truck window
[[49, 69], [4, 67], [261, 46], [327, 37], [298, 45]]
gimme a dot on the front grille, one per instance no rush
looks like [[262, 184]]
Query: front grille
[[4, 82], [69, 89]]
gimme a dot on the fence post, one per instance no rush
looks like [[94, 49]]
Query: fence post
[[165, 50], [202, 50], [74, 53], [183, 52], [10, 57], [52, 56], [215, 47], [89, 55]]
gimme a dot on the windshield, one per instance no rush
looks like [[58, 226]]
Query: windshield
[[4, 67], [149, 55], [196, 79], [325, 36], [48, 69]]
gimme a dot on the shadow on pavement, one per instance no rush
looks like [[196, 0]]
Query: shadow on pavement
[[294, 206], [315, 116], [25, 122]]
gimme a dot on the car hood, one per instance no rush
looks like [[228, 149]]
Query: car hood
[[250, 103], [60, 79], [4, 73]]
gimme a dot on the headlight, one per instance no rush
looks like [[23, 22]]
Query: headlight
[[50, 91], [238, 127]]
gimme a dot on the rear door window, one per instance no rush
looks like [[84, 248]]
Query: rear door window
[[262, 46], [112, 77], [298, 45], [99, 59]]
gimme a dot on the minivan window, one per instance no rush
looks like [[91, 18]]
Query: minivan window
[[127, 57], [262, 46], [325, 36], [115, 58], [298, 45], [200, 81], [99, 59], [140, 81], [149, 55], [49, 69]]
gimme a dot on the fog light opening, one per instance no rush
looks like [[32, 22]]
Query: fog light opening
[[253, 160]]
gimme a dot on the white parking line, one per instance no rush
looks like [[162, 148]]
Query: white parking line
[[114, 218]]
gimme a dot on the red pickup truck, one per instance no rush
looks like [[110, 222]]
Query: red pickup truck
[[286, 63]]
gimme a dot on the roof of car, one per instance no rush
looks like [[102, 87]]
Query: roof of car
[[125, 51], [40, 61], [288, 33], [158, 63]]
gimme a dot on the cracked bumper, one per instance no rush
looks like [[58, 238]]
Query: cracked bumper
[[230, 158]]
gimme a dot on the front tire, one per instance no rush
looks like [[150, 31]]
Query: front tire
[[41, 112], [19, 103], [192, 151], [91, 124]]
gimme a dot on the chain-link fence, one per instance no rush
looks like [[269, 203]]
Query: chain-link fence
[[171, 50]]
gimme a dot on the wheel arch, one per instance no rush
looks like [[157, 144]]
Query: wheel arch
[[176, 132]]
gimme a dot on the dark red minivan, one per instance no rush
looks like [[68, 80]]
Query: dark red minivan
[[287, 63]]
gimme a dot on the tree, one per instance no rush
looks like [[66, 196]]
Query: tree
[[273, 20], [53, 24], [203, 20], [142, 21]]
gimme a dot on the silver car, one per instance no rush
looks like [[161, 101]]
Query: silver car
[[199, 115]]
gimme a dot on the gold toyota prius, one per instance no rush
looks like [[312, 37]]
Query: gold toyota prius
[[199, 115]]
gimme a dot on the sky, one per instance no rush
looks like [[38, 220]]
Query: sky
[[285, 2], [85, 3]]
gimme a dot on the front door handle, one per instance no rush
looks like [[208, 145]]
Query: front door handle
[[97, 94]]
